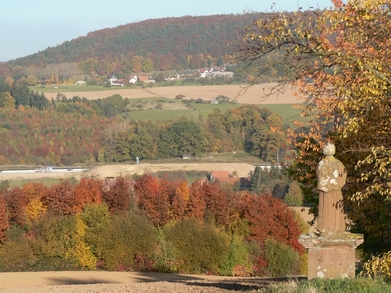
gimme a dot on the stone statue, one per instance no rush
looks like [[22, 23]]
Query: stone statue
[[331, 176]]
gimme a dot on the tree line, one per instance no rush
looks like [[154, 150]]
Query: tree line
[[70, 131], [147, 224]]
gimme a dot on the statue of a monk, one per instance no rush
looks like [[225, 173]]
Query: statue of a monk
[[331, 175]]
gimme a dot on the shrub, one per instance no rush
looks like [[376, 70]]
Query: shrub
[[166, 257], [15, 253], [237, 262], [282, 260], [378, 266], [201, 247], [304, 227], [96, 217], [128, 235], [52, 264], [63, 238], [256, 257]]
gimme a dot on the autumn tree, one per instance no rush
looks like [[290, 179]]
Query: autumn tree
[[35, 206], [180, 200], [60, 199], [196, 205], [4, 224], [118, 196], [270, 217], [338, 61], [87, 191], [6, 100], [153, 198], [16, 203]]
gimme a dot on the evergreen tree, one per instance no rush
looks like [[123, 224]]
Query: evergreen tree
[[257, 182], [294, 197]]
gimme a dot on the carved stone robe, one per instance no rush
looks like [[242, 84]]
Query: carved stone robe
[[331, 175]]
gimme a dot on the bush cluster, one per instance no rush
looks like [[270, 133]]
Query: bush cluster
[[147, 224]]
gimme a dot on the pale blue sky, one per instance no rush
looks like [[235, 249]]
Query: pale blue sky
[[29, 26]]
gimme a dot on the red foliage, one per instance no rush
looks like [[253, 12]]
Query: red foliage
[[60, 198], [268, 216], [89, 190], [4, 225], [196, 205], [217, 203], [161, 201], [154, 198], [118, 196], [259, 265], [16, 203]]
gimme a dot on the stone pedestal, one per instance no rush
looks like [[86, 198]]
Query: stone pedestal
[[331, 258]]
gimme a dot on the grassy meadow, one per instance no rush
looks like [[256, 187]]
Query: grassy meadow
[[168, 111], [144, 101]]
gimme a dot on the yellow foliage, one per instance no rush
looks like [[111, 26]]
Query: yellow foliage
[[35, 209], [339, 59], [378, 266], [79, 252]]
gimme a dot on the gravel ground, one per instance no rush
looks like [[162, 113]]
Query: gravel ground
[[246, 285]]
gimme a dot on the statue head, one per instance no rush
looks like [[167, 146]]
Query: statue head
[[329, 149]]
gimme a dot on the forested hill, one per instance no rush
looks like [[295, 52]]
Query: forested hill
[[166, 40]]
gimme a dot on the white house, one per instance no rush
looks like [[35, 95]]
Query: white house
[[133, 79], [114, 81]]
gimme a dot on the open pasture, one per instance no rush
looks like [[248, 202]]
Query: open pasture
[[144, 100], [252, 95]]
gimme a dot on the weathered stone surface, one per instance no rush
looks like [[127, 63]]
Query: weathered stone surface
[[331, 262], [346, 239], [331, 257], [331, 252], [331, 176]]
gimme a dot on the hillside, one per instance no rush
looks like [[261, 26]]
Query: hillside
[[171, 38]]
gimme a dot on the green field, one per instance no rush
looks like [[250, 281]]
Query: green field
[[287, 113], [172, 109], [69, 88], [45, 181]]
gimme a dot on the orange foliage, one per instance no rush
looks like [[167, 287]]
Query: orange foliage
[[4, 225], [153, 198], [196, 205], [89, 190], [180, 199], [268, 216], [34, 193]]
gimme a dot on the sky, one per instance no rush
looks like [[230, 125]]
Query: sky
[[27, 27]]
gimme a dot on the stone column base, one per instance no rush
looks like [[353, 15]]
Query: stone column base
[[331, 258]]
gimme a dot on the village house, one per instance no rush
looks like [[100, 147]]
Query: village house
[[133, 79], [145, 78], [114, 81], [223, 177]]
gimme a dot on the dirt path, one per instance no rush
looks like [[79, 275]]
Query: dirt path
[[98, 281]]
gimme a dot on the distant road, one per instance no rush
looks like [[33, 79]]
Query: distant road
[[242, 170], [56, 170]]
